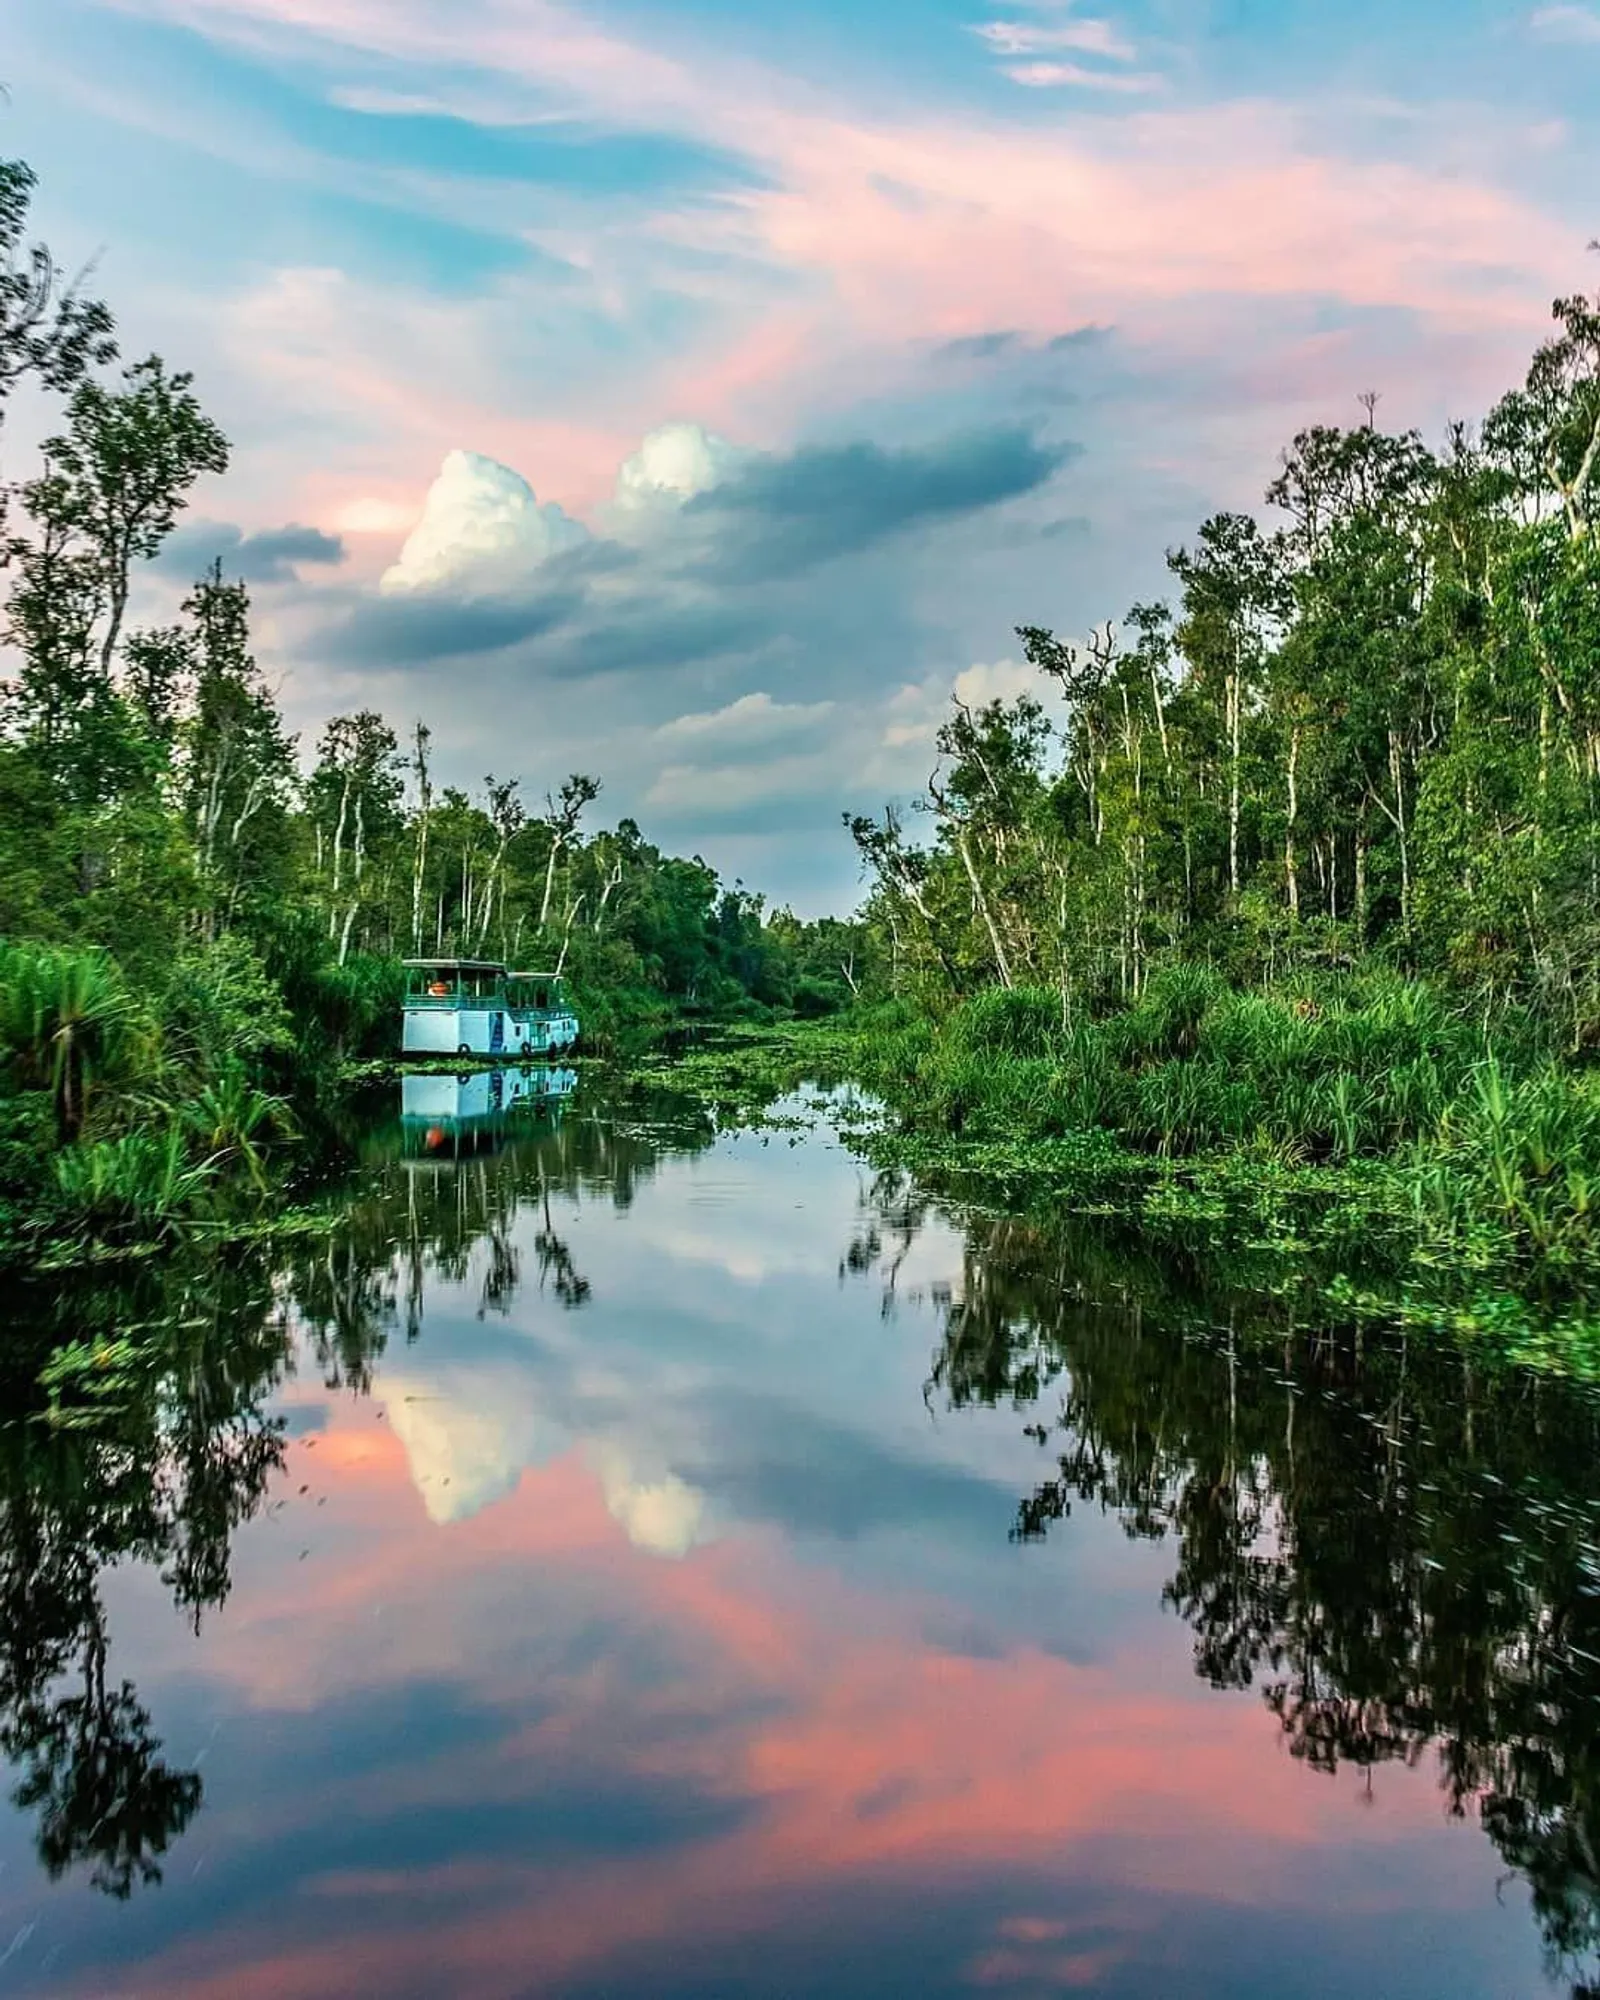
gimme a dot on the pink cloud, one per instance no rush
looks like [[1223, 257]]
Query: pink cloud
[[1258, 277]]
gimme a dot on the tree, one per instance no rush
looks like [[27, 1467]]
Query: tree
[[237, 764], [563, 816], [48, 328], [127, 461]]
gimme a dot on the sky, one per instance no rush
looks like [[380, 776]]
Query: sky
[[696, 393]]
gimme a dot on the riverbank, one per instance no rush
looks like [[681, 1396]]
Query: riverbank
[[1365, 1154]]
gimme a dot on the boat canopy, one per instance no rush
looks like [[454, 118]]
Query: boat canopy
[[540, 990], [454, 965]]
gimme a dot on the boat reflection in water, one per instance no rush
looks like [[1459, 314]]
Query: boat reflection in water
[[466, 1116]]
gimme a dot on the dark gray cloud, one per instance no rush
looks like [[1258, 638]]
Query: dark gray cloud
[[1079, 336], [653, 636], [273, 555], [1007, 341], [777, 1461], [978, 346], [780, 515], [410, 630]]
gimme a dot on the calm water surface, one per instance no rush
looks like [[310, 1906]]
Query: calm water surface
[[626, 1559]]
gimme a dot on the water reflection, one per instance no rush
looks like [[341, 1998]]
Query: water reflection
[[1400, 1549], [450, 1118], [159, 1444], [609, 1588], [160, 1472]]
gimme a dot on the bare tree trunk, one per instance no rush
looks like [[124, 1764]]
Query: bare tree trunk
[[566, 937], [119, 610], [338, 834], [1233, 706], [612, 882], [1291, 866], [1401, 830], [1001, 962], [549, 882], [420, 741]]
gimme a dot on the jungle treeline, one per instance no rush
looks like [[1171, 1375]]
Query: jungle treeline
[[198, 922], [1304, 860]]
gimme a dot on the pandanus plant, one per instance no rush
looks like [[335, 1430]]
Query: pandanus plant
[[66, 1021]]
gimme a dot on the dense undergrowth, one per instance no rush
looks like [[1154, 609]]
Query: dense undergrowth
[[131, 1114], [1400, 1151]]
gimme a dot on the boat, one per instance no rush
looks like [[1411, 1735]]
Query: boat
[[477, 1007], [541, 1003]]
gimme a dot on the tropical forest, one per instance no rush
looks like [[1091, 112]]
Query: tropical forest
[[1041, 1424]]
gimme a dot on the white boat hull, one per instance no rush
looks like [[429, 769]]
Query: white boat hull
[[467, 1031]]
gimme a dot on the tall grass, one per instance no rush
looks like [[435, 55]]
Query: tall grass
[[1498, 1143]]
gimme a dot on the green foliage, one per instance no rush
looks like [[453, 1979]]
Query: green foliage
[[67, 1022], [144, 1184], [1494, 1157], [234, 1122], [222, 1008]]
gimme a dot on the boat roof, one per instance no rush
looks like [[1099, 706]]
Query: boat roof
[[549, 978], [452, 965]]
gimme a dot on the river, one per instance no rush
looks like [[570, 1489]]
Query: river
[[616, 1556]]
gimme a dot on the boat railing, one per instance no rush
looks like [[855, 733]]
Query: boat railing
[[449, 988]]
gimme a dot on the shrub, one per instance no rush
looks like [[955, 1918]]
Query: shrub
[[222, 1007], [141, 1184], [67, 1023], [1020, 1021]]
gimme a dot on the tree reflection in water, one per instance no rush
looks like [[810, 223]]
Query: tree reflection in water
[[1397, 1545], [182, 1450], [164, 1474]]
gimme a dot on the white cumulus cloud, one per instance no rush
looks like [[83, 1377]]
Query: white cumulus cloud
[[914, 712], [674, 464], [662, 1516], [483, 528], [466, 1450], [752, 721]]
